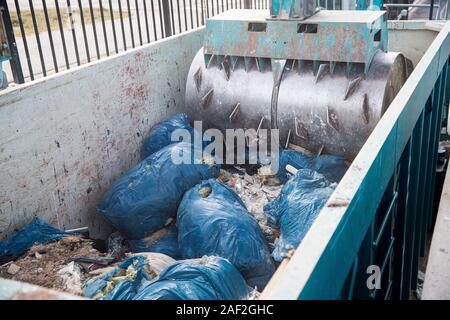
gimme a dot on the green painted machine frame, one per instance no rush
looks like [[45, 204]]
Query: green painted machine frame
[[381, 211], [335, 36]]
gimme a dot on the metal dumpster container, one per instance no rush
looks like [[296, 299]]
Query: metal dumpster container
[[67, 137]]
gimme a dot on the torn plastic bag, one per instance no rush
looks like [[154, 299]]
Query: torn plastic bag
[[296, 208], [212, 220], [160, 134], [162, 241], [37, 231], [332, 167], [208, 278], [123, 282], [144, 198]]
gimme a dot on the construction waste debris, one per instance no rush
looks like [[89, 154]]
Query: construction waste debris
[[297, 207], [124, 281], [213, 221], [183, 231], [163, 241], [208, 278], [37, 231], [255, 191], [53, 265], [146, 198]]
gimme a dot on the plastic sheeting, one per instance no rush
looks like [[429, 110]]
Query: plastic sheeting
[[127, 279], [208, 278], [332, 167], [160, 135], [37, 231], [163, 241], [212, 220], [144, 198], [295, 210]]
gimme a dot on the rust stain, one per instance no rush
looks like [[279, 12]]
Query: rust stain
[[138, 56], [338, 203], [40, 294], [135, 92]]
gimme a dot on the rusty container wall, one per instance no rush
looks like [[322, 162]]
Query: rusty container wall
[[64, 139]]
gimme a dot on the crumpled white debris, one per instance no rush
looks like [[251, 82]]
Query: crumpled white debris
[[71, 277], [255, 191]]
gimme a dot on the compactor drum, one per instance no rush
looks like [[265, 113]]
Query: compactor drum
[[323, 78]]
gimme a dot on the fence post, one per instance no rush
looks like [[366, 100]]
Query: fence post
[[16, 67], [248, 4], [378, 4], [166, 16], [430, 17]]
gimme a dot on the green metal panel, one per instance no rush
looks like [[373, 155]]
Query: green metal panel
[[396, 164], [411, 209], [362, 4], [377, 3], [230, 34], [422, 190], [439, 104]]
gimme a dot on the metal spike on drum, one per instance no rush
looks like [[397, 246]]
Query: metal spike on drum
[[324, 69], [235, 113], [207, 98], [198, 79], [352, 86]]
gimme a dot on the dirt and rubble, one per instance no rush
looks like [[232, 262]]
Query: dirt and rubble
[[66, 264], [52, 265]]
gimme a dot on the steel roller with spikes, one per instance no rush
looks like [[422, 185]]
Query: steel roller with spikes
[[323, 78]]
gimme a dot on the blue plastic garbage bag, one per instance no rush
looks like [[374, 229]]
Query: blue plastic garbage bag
[[162, 241], [123, 282], [212, 220], [332, 167], [296, 208], [208, 278], [37, 231], [160, 135], [144, 198]]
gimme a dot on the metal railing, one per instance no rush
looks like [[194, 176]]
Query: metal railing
[[431, 10], [48, 36], [379, 214], [418, 9], [330, 4], [55, 35]]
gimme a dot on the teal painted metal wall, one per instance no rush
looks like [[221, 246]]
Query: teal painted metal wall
[[382, 209], [395, 200]]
